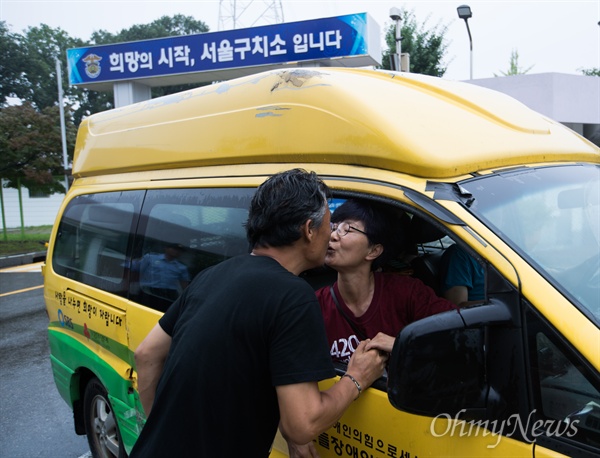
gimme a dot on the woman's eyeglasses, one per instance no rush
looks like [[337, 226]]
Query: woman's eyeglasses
[[343, 228]]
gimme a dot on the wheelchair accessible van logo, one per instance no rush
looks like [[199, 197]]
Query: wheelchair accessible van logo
[[529, 430]]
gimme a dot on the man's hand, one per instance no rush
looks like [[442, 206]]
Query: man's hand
[[302, 451], [306, 412], [366, 365]]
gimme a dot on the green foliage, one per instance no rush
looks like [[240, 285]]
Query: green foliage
[[11, 59], [31, 61], [41, 46], [29, 240], [30, 138], [163, 27], [514, 68], [590, 71], [28, 62], [426, 45], [31, 145]]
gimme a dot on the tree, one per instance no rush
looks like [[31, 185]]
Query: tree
[[426, 46], [31, 145], [514, 68], [11, 59], [29, 67], [42, 46], [590, 71], [31, 141], [163, 27], [30, 60]]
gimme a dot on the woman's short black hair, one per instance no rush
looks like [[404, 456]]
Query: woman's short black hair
[[383, 224], [282, 204]]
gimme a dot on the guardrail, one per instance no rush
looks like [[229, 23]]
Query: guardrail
[[21, 259]]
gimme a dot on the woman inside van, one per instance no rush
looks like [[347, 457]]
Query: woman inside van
[[365, 302]]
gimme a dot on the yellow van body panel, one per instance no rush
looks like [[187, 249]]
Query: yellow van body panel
[[364, 431], [438, 129]]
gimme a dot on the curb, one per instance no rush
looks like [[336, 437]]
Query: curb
[[21, 259]]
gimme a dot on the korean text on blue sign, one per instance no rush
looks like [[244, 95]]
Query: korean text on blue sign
[[343, 36]]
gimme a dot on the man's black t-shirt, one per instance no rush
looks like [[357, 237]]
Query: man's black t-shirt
[[240, 329]]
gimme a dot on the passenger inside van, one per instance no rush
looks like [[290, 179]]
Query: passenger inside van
[[445, 266], [161, 274], [365, 302], [463, 280]]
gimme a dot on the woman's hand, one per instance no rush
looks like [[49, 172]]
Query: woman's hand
[[381, 342]]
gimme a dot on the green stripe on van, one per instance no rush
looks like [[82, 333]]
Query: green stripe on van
[[70, 356], [118, 349]]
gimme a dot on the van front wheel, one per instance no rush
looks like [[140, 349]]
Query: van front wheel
[[100, 424]]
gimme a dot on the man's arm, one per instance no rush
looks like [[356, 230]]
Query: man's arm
[[306, 412], [150, 358]]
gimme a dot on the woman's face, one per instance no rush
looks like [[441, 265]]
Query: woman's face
[[348, 246]]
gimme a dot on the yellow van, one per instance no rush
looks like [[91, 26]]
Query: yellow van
[[518, 375]]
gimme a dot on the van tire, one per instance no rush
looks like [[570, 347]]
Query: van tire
[[101, 427]]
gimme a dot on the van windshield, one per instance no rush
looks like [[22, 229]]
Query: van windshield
[[550, 216]]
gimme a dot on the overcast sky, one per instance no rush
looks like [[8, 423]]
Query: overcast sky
[[549, 36]]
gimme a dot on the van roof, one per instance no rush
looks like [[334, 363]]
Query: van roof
[[414, 124]]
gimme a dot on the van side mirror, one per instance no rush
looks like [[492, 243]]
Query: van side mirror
[[439, 364]]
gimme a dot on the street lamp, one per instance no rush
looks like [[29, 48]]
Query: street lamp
[[61, 104], [464, 12], [395, 16]]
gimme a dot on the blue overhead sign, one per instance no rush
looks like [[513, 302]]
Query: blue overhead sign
[[354, 35]]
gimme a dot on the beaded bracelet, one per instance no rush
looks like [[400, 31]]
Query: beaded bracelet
[[355, 382]]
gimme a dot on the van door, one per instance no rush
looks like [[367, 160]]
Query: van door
[[565, 393]]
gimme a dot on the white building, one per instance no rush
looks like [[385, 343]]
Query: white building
[[573, 100]]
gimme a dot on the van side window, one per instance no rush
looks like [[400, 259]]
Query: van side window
[[94, 238], [566, 393], [182, 232]]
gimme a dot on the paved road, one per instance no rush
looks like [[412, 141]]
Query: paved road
[[34, 419]]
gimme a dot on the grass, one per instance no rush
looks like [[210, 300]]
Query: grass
[[31, 240]]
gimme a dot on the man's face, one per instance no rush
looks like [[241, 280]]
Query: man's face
[[322, 239]]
